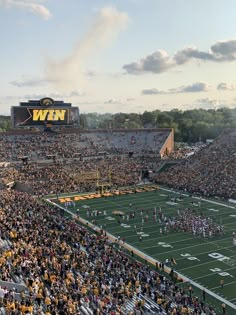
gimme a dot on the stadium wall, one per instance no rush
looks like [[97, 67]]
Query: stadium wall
[[168, 146]]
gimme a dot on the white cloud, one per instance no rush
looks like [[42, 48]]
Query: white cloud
[[26, 81], [69, 72], [90, 73], [73, 93], [209, 103], [31, 6], [225, 50], [192, 88], [226, 87], [153, 91], [130, 99], [157, 62], [188, 53], [195, 87], [38, 96], [113, 101], [160, 61]]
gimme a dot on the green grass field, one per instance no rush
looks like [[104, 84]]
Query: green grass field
[[204, 261]]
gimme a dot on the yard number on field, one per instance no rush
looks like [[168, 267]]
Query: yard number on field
[[221, 273], [189, 257], [218, 256], [164, 244]]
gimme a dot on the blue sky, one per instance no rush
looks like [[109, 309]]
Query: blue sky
[[119, 56]]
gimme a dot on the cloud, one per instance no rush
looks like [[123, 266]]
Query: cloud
[[69, 72], [153, 92], [26, 81], [130, 99], [113, 101], [193, 88], [188, 53], [209, 103], [33, 96], [160, 61], [66, 95], [38, 96], [90, 73], [157, 62], [31, 6], [224, 50], [226, 87]]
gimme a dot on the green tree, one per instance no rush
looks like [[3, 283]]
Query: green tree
[[149, 119], [164, 120]]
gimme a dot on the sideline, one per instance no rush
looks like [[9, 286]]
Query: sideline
[[145, 257]]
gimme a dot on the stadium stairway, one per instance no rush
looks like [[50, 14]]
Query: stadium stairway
[[149, 306], [85, 310]]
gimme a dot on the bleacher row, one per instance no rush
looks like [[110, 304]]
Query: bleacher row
[[76, 176], [39, 146], [139, 302]]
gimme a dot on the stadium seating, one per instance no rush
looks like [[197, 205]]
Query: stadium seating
[[210, 172], [65, 145]]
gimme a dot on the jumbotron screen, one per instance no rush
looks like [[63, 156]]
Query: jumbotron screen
[[36, 113]]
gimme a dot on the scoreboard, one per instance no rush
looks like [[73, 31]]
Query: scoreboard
[[44, 111]]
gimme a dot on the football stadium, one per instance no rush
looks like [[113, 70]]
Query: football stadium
[[113, 221]]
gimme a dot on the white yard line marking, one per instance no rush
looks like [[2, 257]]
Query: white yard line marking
[[226, 284], [215, 202], [163, 237]]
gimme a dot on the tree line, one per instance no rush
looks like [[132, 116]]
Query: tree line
[[190, 126]]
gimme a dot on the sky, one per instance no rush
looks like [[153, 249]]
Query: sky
[[119, 55]]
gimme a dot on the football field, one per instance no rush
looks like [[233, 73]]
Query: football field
[[206, 262]]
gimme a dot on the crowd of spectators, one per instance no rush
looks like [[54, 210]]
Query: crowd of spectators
[[184, 151], [65, 267], [56, 163], [77, 176], [210, 172], [142, 141], [70, 145]]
